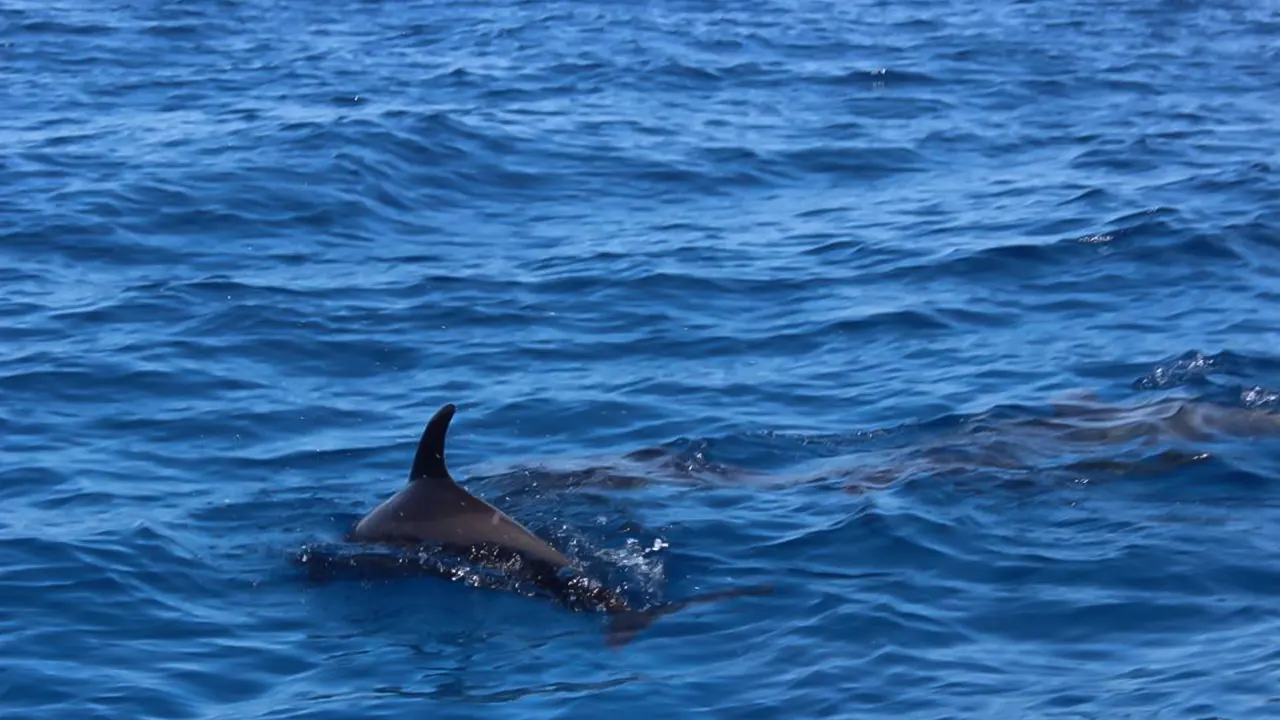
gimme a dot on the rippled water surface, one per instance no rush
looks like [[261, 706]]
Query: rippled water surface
[[956, 323]]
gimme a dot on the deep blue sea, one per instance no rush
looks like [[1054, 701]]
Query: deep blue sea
[[957, 323]]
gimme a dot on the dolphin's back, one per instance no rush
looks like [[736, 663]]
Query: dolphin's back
[[434, 508], [440, 511]]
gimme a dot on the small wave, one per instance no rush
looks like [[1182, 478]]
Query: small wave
[[1195, 368], [879, 77], [857, 162]]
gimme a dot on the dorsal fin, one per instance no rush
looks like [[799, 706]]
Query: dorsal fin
[[429, 462]]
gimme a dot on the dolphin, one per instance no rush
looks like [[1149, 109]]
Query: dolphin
[[432, 509]]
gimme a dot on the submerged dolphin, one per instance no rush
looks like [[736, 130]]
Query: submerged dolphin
[[433, 509]]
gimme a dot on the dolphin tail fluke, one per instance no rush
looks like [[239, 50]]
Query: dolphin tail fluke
[[625, 625]]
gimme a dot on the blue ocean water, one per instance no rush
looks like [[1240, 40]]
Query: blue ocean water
[[955, 322]]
